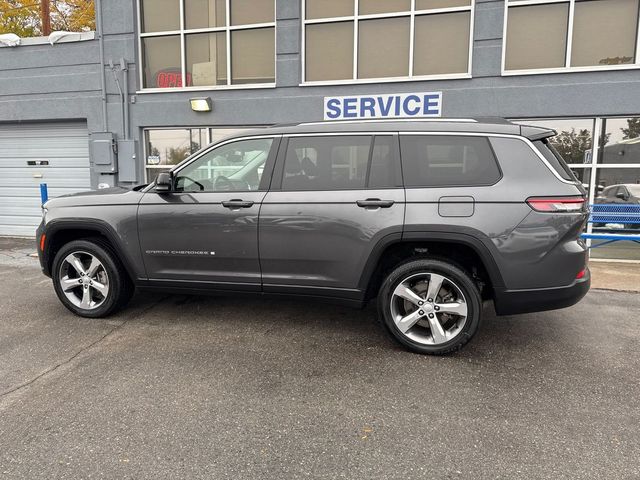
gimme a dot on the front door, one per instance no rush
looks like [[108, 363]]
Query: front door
[[334, 199], [206, 230]]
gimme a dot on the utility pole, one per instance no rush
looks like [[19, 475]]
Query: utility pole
[[45, 15]]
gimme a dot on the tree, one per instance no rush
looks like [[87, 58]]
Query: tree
[[572, 145], [22, 17], [632, 130], [176, 155]]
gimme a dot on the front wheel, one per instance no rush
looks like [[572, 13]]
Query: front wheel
[[89, 279], [430, 306]]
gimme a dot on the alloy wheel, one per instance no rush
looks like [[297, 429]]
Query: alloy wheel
[[84, 280], [429, 308]]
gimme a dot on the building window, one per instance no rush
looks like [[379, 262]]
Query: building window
[[361, 40], [207, 43], [561, 35]]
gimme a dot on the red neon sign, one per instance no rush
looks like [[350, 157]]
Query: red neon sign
[[171, 78]]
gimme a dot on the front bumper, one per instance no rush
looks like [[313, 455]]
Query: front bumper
[[512, 302], [42, 252]]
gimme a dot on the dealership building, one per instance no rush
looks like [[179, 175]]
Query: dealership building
[[159, 79]]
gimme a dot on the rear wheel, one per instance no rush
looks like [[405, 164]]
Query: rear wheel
[[430, 306], [89, 279]]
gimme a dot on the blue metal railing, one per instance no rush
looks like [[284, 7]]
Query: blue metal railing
[[603, 214]]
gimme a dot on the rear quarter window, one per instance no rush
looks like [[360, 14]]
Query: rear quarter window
[[555, 159], [447, 161]]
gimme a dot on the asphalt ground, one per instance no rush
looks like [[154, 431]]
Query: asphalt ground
[[214, 387]]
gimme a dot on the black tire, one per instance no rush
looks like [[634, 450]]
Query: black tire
[[448, 270], [121, 288]]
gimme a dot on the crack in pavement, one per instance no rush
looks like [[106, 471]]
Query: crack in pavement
[[79, 352]]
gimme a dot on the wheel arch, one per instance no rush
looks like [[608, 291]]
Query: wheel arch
[[466, 250], [61, 232]]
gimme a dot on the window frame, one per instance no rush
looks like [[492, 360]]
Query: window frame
[[356, 18], [569, 44], [182, 32]]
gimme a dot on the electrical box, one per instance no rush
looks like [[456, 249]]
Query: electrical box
[[127, 160], [103, 150]]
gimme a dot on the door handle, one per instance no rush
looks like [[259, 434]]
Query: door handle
[[236, 203], [375, 203]]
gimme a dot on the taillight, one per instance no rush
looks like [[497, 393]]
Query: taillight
[[581, 274], [43, 239], [556, 204]]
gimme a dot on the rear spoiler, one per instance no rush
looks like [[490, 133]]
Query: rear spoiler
[[536, 133]]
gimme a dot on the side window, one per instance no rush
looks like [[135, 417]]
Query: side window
[[326, 163], [382, 171], [623, 191], [234, 167], [447, 161], [554, 158], [610, 192]]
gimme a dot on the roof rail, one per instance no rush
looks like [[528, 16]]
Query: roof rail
[[383, 120]]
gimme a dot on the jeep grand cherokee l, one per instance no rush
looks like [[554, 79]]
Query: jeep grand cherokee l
[[431, 217]]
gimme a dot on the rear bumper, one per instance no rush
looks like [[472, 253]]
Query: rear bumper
[[512, 302]]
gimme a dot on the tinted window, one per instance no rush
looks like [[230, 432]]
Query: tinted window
[[554, 158], [326, 163], [383, 172], [439, 161]]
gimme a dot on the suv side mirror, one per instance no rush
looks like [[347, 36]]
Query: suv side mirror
[[164, 182], [622, 196]]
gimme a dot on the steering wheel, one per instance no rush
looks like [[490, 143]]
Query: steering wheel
[[201, 186]]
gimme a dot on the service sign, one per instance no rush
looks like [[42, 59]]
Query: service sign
[[399, 105]]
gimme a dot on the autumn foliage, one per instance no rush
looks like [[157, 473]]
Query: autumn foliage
[[22, 17]]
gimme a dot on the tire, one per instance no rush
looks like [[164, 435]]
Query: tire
[[410, 322], [98, 292]]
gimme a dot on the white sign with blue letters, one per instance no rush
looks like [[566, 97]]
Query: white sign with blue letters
[[399, 105]]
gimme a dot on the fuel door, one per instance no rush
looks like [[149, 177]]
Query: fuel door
[[463, 206]]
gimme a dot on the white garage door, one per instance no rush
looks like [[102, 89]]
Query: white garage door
[[30, 154]]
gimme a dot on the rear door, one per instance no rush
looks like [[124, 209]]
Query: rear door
[[333, 199], [206, 230]]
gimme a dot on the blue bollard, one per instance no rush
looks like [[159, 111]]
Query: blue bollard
[[44, 193]]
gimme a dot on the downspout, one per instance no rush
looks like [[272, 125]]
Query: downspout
[[125, 86], [120, 94], [103, 84]]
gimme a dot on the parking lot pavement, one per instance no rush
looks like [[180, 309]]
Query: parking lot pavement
[[195, 387]]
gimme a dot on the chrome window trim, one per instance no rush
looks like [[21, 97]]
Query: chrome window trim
[[528, 142]]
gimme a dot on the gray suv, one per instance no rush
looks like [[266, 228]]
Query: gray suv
[[432, 218]]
